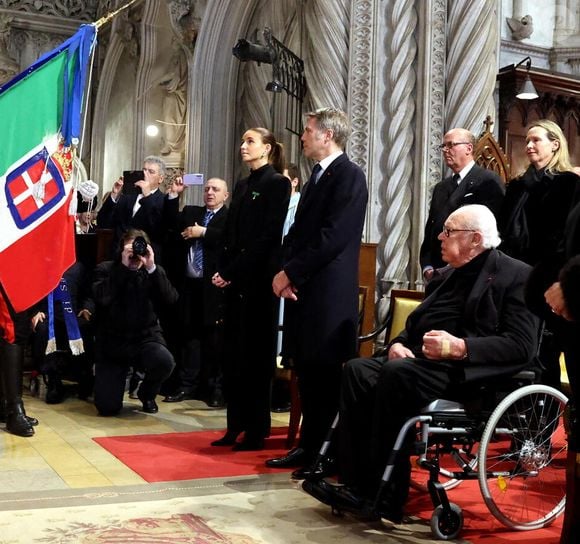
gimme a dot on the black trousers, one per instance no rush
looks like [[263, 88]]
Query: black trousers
[[80, 366], [377, 397], [200, 364], [152, 358], [319, 388], [249, 360]]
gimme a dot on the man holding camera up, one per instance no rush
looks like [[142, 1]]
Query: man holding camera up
[[137, 207], [129, 293]]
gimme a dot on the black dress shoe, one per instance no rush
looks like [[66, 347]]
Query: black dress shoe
[[228, 439], [150, 406], [178, 397], [315, 471], [281, 409], [343, 498], [294, 458], [216, 400], [32, 420]]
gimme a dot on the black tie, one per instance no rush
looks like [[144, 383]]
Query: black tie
[[456, 179], [308, 188], [313, 179]]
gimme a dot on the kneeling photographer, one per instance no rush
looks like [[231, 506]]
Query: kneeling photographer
[[129, 294]]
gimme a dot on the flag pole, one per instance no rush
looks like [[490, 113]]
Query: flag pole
[[98, 24], [110, 15]]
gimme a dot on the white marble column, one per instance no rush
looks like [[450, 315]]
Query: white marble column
[[472, 45], [326, 36], [396, 190]]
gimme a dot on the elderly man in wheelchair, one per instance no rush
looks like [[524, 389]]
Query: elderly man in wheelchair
[[473, 329]]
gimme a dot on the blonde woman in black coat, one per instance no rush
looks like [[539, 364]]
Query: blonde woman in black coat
[[532, 224]]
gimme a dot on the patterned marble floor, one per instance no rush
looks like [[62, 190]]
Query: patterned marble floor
[[60, 486]]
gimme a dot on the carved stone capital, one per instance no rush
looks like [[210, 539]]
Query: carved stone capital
[[83, 10]]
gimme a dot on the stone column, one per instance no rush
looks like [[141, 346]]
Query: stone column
[[362, 92], [326, 36], [396, 190], [472, 46]]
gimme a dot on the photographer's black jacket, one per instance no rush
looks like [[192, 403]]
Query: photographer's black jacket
[[127, 304]]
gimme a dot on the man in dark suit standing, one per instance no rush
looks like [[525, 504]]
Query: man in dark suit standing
[[473, 328], [201, 229], [469, 184], [142, 211], [319, 279]]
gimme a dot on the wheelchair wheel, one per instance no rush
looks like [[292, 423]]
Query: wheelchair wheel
[[522, 458], [446, 525]]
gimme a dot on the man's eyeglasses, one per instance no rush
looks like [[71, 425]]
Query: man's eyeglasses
[[451, 145], [448, 232]]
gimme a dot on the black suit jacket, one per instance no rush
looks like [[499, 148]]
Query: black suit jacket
[[501, 333], [212, 244], [321, 260], [480, 186], [148, 218]]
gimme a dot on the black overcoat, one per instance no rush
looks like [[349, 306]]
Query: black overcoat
[[321, 260], [249, 261]]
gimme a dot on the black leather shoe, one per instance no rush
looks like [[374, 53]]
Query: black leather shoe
[[150, 406], [178, 397], [315, 471], [294, 458], [32, 420], [343, 498], [328, 493], [19, 425], [229, 439], [216, 400], [281, 409]]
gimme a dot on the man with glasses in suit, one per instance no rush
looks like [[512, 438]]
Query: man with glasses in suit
[[469, 184]]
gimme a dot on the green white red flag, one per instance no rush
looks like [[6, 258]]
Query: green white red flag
[[41, 128]]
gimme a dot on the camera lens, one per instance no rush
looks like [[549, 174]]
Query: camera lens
[[140, 246]]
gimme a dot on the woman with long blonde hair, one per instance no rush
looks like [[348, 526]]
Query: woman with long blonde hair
[[532, 223]]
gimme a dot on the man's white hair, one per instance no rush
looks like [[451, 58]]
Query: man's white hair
[[481, 219]]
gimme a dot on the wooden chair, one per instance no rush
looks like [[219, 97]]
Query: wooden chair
[[403, 302]]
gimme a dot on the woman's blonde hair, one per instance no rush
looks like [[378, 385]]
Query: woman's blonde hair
[[560, 161]]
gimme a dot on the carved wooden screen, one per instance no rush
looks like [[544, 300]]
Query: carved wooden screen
[[489, 154]]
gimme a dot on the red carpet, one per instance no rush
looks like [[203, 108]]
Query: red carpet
[[480, 526], [189, 456]]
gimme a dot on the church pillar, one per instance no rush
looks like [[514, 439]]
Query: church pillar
[[472, 48], [396, 190]]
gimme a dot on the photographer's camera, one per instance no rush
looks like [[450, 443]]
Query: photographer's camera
[[140, 247]]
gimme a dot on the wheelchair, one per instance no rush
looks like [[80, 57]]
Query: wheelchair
[[512, 442]]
